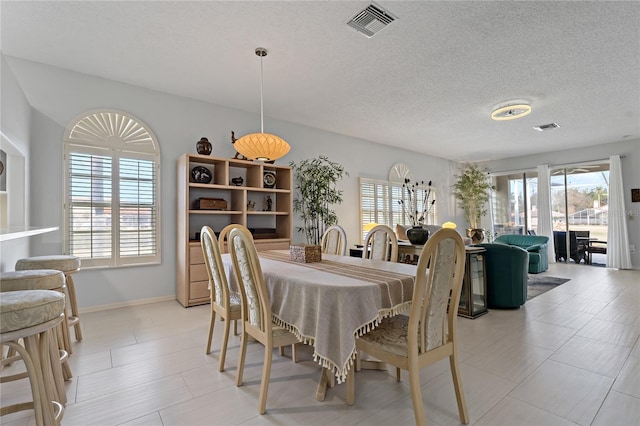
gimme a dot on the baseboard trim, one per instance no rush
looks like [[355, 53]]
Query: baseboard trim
[[126, 304]]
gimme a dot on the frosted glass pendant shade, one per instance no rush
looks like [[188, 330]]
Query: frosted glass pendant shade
[[262, 146]]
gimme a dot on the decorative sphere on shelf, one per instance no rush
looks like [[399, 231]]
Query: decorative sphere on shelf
[[203, 146]]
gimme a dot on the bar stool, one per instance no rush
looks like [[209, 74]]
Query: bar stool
[[30, 315], [42, 279], [68, 265]]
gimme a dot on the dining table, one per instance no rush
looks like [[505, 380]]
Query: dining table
[[328, 304]]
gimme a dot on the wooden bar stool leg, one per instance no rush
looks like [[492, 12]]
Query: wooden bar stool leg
[[56, 358], [50, 391], [36, 396], [74, 319], [63, 354]]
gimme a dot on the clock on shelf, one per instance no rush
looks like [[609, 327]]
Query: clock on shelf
[[269, 179]]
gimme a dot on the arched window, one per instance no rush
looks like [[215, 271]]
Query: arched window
[[112, 176]]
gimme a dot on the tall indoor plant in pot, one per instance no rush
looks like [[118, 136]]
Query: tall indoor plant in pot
[[472, 190], [416, 206], [315, 183]]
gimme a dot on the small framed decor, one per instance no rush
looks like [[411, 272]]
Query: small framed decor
[[635, 195]]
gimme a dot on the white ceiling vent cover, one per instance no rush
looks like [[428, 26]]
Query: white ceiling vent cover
[[545, 127], [371, 20]]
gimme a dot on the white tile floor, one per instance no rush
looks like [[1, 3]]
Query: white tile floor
[[569, 356]]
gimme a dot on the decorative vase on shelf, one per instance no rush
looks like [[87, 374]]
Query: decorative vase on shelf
[[417, 235], [476, 235], [203, 146]]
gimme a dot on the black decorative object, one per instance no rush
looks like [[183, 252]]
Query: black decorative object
[[203, 146], [417, 235], [269, 179], [201, 174], [237, 181]]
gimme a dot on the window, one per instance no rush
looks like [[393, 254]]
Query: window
[[379, 203], [112, 165], [514, 203]]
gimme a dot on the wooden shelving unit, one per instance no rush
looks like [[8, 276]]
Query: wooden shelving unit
[[192, 279]]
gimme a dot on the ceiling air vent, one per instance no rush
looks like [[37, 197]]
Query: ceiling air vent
[[544, 127], [371, 20]]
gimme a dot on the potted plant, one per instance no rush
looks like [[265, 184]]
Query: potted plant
[[471, 189], [416, 207], [315, 183]]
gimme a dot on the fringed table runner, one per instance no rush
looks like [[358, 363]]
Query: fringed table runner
[[327, 304]]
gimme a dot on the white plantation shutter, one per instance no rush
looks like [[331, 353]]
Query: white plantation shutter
[[112, 195], [89, 209], [379, 204], [138, 207]]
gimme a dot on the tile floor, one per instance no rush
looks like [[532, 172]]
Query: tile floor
[[570, 356]]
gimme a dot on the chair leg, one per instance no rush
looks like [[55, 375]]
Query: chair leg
[[225, 340], [398, 374], [71, 288], [235, 327], [34, 368], [351, 387], [243, 352], [457, 385], [64, 337], [266, 374], [212, 323], [416, 393], [62, 352], [281, 350], [47, 364]]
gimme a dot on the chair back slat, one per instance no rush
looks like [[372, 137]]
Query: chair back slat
[[381, 243], [334, 241], [256, 304], [436, 293], [222, 237], [215, 270]]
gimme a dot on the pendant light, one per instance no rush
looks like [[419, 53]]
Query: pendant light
[[261, 146]]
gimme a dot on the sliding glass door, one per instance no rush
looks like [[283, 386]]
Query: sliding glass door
[[579, 201]]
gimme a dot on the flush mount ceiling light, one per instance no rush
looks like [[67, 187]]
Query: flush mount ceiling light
[[510, 112], [261, 146]]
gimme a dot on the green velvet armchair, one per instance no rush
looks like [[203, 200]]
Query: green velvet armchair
[[536, 245], [506, 274]]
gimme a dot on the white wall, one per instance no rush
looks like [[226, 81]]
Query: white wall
[[630, 175], [57, 96], [15, 119]]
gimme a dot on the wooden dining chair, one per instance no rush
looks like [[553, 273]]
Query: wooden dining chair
[[334, 241], [381, 243], [428, 334], [257, 320], [224, 302]]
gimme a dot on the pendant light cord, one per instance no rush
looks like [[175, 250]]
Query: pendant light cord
[[261, 106]]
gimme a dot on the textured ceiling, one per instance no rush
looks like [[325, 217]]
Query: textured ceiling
[[427, 82]]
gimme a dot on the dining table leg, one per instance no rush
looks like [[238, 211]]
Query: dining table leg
[[321, 391], [327, 380]]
